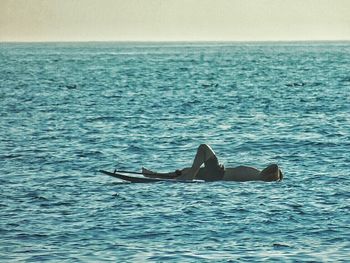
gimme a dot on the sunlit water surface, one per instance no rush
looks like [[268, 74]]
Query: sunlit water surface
[[68, 110]]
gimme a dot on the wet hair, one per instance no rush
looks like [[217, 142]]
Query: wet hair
[[281, 175]]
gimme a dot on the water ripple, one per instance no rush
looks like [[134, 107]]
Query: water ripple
[[68, 110]]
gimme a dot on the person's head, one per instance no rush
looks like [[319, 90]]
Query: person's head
[[271, 173]]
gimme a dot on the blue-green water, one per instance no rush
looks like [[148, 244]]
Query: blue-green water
[[68, 110]]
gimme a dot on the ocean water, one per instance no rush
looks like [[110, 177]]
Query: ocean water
[[70, 109]]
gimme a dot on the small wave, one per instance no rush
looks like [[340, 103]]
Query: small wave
[[101, 118], [280, 245], [11, 156], [296, 84]]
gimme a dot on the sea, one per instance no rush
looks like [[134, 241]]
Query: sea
[[68, 110]]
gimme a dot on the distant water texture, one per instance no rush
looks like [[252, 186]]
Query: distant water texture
[[70, 109]]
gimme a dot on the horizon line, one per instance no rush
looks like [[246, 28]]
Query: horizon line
[[174, 41]]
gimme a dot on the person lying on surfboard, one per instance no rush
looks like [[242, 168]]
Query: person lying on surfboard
[[214, 171]]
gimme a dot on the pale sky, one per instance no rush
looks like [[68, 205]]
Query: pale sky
[[174, 20]]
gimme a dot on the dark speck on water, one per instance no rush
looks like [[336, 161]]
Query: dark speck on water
[[68, 110]]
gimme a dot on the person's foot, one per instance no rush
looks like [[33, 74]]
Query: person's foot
[[271, 173]]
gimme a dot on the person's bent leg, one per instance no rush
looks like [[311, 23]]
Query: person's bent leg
[[204, 153]]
